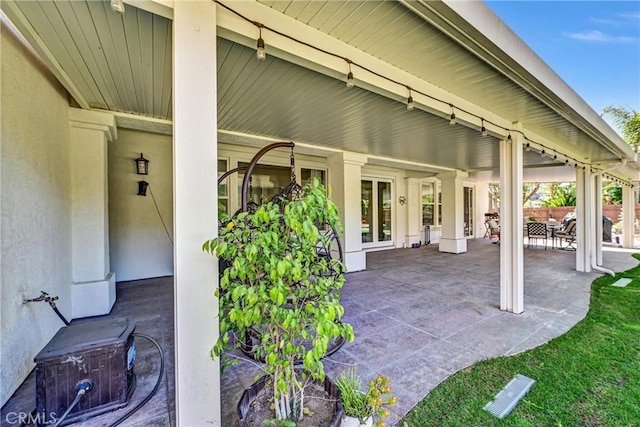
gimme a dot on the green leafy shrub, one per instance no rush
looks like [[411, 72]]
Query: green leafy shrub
[[278, 285]]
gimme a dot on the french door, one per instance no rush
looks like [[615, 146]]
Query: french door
[[377, 212]]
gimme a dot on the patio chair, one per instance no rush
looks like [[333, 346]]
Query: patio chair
[[537, 231], [493, 230], [569, 235]]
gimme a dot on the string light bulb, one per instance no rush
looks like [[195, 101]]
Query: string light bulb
[[509, 136], [349, 76], [483, 130], [261, 52], [452, 119], [409, 101], [117, 6]]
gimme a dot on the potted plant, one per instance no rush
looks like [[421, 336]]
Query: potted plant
[[276, 285], [361, 407]]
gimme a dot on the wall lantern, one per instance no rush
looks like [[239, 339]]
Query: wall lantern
[[142, 188], [142, 165]]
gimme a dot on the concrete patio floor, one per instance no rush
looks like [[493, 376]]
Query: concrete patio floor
[[418, 315]]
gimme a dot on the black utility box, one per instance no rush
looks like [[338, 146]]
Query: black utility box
[[101, 350]]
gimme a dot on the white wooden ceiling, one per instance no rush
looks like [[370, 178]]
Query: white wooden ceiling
[[122, 63]]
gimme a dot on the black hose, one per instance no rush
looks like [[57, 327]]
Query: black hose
[[155, 388], [66, 322]]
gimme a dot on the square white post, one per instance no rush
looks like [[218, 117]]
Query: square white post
[[345, 174], [628, 216], [511, 232], [93, 291], [195, 212], [452, 239], [415, 232], [597, 183], [582, 213]]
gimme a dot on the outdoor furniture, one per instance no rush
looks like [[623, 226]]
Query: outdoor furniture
[[537, 231], [493, 230], [553, 228], [569, 235]]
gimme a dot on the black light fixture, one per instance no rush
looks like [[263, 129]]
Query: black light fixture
[[142, 165], [142, 188], [452, 118], [483, 130]]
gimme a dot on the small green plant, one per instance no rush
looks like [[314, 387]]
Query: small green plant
[[363, 405], [277, 288]]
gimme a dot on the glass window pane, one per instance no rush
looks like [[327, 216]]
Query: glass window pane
[[468, 211], [308, 174], [266, 182], [367, 211], [222, 168], [222, 188], [384, 211], [428, 203]]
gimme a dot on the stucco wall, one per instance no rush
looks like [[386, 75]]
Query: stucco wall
[[35, 248], [139, 245]]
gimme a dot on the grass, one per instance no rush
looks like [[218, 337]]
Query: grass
[[589, 376]]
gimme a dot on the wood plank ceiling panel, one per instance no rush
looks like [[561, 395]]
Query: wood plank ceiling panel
[[162, 66], [81, 23], [44, 17], [74, 38], [320, 110]]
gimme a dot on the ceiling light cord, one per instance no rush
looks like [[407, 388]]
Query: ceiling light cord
[[350, 84]]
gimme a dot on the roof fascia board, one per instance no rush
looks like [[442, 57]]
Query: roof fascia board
[[236, 29], [478, 29]]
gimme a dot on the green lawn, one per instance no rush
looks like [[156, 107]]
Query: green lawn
[[588, 377]]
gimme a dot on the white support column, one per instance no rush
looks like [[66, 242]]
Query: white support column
[[481, 207], [597, 182], [582, 219], [511, 234], [346, 192], [93, 291], [453, 239], [415, 232], [195, 212], [628, 216]]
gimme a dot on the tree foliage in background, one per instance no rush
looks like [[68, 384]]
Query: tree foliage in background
[[564, 194], [628, 121], [613, 192]]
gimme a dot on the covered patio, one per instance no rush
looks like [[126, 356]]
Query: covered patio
[[386, 101]]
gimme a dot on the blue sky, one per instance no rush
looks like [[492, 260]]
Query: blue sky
[[594, 46]]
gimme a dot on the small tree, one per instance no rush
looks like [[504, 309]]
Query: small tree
[[276, 286]]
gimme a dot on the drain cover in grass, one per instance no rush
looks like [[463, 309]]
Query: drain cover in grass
[[621, 283], [509, 396]]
